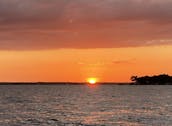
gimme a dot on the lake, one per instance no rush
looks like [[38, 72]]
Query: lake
[[83, 105]]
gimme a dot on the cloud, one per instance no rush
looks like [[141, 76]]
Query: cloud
[[47, 24], [126, 61]]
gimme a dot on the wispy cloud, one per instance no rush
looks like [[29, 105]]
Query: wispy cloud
[[125, 61]]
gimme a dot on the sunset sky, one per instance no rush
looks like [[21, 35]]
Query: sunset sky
[[72, 40]]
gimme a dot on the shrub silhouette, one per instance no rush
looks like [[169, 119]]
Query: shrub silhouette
[[153, 80]]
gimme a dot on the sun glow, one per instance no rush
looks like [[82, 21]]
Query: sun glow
[[92, 80]]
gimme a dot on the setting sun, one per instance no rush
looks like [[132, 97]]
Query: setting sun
[[92, 80]]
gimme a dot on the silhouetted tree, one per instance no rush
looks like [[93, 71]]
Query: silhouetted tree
[[133, 78], [154, 80]]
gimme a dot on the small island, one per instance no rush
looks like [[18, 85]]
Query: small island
[[162, 79]]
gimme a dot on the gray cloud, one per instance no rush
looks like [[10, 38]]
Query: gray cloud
[[81, 11], [45, 24]]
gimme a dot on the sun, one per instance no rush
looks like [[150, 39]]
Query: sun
[[92, 80]]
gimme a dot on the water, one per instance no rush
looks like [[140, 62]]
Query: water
[[81, 105]]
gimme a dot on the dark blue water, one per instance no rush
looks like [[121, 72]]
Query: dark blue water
[[81, 105]]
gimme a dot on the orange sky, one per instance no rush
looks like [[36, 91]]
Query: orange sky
[[76, 65]]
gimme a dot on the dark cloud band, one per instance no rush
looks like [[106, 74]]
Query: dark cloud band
[[46, 24]]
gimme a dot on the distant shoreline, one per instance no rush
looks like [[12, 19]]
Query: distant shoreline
[[61, 83], [73, 83]]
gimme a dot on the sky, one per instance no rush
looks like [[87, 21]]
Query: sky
[[72, 40]]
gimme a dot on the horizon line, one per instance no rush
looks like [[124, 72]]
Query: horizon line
[[20, 82]]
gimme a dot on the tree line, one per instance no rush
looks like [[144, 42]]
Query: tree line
[[162, 79]]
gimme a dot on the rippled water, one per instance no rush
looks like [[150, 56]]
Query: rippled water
[[81, 105]]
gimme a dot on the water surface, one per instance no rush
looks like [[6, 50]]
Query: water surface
[[82, 105]]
